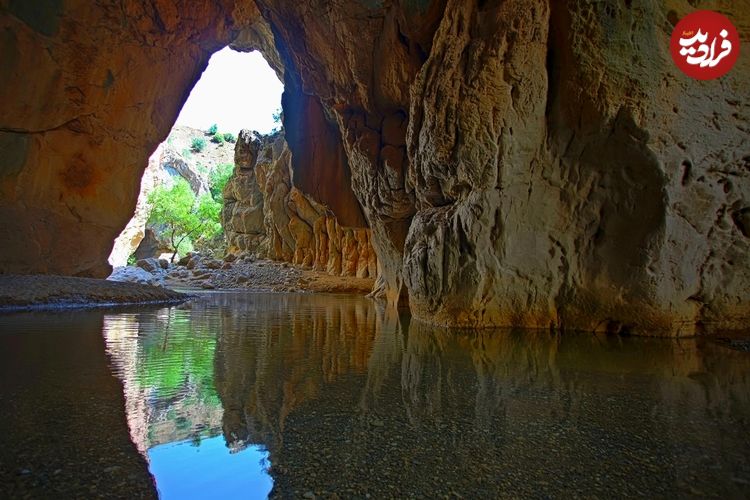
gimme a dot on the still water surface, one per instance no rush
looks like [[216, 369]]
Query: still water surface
[[241, 395]]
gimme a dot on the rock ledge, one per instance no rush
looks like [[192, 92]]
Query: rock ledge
[[51, 292]]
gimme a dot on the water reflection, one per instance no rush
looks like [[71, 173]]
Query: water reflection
[[62, 423], [166, 362], [205, 470], [353, 400]]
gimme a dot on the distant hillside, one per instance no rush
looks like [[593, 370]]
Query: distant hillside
[[180, 140]]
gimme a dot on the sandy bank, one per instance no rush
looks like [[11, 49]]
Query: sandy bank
[[48, 292]]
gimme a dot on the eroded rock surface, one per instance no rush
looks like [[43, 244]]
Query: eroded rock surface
[[569, 187], [552, 170], [88, 90], [266, 215]]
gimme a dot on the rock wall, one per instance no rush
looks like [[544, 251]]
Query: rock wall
[[88, 90], [539, 163], [570, 188], [358, 60], [266, 215]]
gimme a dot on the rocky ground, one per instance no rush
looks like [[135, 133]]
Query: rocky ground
[[154, 281], [197, 272], [42, 291]]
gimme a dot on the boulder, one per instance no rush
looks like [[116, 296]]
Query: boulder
[[212, 263], [151, 246], [135, 275], [151, 265]]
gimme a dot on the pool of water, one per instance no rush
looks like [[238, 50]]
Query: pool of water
[[238, 395]]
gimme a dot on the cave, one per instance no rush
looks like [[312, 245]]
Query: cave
[[533, 188], [502, 185]]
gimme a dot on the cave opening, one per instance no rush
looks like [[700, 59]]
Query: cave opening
[[180, 197]]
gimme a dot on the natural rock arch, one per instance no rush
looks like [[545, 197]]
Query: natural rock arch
[[518, 163]]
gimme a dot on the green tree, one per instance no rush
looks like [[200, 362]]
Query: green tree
[[218, 178], [212, 129], [198, 144], [185, 218], [230, 137], [218, 138]]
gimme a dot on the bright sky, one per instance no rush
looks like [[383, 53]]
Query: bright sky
[[238, 90]]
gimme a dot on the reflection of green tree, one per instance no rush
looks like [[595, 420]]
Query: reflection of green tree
[[172, 363], [175, 368]]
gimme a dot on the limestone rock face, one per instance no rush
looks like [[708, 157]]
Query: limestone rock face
[[535, 163], [562, 183], [88, 89], [133, 235], [175, 163], [358, 60], [242, 214], [266, 215]]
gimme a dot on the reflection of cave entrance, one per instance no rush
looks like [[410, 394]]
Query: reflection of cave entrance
[[238, 90]]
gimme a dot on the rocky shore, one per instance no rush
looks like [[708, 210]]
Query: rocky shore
[[246, 273], [154, 281], [19, 292]]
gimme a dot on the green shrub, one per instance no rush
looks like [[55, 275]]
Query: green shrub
[[218, 178], [229, 137], [217, 138], [186, 219], [198, 144], [212, 129]]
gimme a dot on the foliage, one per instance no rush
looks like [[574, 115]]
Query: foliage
[[218, 138], [186, 219], [132, 260], [230, 137], [186, 153], [184, 247], [177, 357], [198, 144], [218, 178], [277, 116], [212, 130]]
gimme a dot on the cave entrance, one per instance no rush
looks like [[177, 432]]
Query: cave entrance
[[180, 199]]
